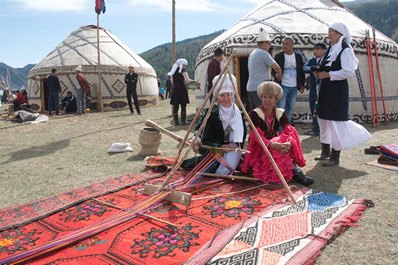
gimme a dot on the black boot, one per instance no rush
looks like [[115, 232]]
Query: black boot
[[334, 159], [175, 118], [299, 177], [183, 118], [325, 154]]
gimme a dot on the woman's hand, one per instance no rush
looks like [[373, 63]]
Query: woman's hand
[[195, 143], [281, 147], [322, 75]]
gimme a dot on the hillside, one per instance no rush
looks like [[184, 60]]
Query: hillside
[[380, 13], [18, 76], [160, 56]]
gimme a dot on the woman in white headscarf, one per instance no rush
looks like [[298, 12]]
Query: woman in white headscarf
[[336, 131], [179, 94], [224, 128]]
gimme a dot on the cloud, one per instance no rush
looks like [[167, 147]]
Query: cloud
[[54, 6], [187, 5]]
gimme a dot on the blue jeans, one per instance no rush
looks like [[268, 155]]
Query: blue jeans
[[53, 99], [288, 100], [80, 101]]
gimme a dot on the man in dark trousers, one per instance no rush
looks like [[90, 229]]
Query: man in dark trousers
[[169, 86], [293, 76], [54, 89], [318, 51], [131, 80], [214, 68]]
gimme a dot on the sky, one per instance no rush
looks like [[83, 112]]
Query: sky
[[30, 29]]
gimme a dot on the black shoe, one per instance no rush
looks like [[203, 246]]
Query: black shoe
[[139, 113], [299, 177], [334, 159], [131, 112]]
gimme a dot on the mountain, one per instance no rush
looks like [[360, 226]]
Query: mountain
[[382, 14], [18, 76], [160, 56]]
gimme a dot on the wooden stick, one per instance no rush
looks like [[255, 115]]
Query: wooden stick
[[146, 215], [226, 149], [265, 148], [379, 75], [228, 193], [155, 126], [229, 177]]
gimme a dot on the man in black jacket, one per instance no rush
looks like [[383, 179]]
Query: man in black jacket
[[54, 89], [293, 77], [131, 80]]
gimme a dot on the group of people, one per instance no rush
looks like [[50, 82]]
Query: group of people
[[69, 104], [271, 104]]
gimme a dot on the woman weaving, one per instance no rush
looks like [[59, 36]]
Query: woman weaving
[[224, 129]]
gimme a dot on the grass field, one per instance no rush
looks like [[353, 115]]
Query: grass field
[[39, 160]]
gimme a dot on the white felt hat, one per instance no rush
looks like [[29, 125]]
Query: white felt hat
[[263, 36]]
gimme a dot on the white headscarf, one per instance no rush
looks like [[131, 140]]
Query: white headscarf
[[230, 116], [179, 63], [343, 30], [336, 48]]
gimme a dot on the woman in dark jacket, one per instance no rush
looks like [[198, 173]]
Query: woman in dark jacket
[[336, 131], [179, 92]]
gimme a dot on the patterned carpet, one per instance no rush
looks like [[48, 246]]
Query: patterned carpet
[[284, 233], [142, 240]]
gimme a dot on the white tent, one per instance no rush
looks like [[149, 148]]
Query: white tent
[[80, 48], [307, 21]]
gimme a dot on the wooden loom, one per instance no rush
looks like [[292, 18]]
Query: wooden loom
[[181, 197]]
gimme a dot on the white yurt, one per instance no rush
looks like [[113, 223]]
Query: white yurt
[[80, 48], [307, 21]]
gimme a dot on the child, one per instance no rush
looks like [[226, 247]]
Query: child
[[162, 92]]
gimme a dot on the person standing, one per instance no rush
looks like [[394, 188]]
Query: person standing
[[214, 68], [169, 85], [54, 89], [82, 89], [314, 63], [131, 80], [293, 76], [336, 131], [259, 64], [179, 94]]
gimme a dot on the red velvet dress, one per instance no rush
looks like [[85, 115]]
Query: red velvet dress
[[257, 161]]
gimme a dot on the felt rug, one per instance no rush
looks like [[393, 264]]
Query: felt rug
[[170, 234], [284, 233], [375, 163]]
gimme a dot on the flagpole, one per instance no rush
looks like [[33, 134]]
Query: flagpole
[[173, 46], [99, 94]]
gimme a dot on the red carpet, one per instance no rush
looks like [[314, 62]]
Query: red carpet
[[142, 240]]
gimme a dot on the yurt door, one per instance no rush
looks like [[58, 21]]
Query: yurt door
[[242, 75]]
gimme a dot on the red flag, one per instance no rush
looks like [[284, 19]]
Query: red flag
[[100, 6]]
